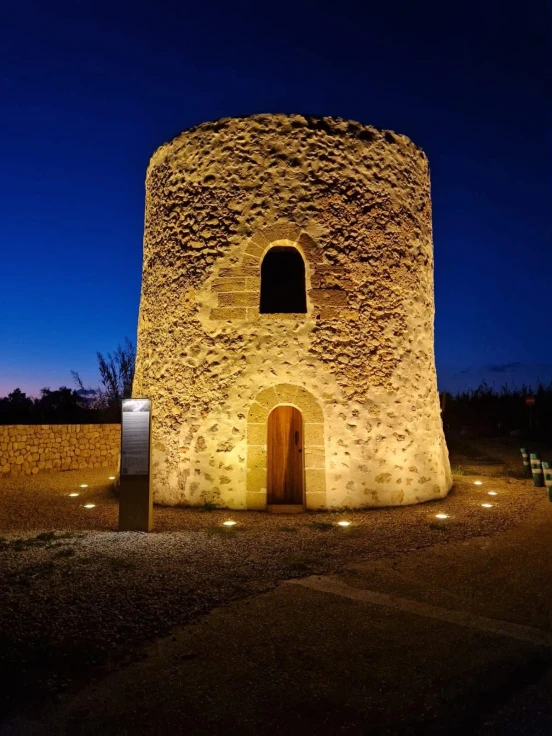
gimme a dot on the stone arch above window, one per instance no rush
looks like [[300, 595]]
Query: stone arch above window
[[315, 457], [238, 288]]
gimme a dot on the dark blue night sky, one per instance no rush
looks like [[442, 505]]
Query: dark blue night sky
[[89, 90]]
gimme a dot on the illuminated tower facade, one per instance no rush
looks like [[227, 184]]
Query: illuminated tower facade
[[286, 319]]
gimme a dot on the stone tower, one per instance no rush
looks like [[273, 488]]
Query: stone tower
[[286, 318]]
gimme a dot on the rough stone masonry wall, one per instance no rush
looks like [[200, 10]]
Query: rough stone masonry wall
[[27, 449], [355, 201]]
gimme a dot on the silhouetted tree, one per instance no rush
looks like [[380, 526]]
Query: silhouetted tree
[[67, 406], [16, 408], [63, 406], [485, 410], [117, 374]]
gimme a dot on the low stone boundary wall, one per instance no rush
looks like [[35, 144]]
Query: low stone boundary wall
[[27, 449]]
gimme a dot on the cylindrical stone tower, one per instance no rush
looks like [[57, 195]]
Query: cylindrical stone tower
[[286, 318]]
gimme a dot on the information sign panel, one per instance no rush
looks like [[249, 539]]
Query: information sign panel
[[135, 496], [135, 450]]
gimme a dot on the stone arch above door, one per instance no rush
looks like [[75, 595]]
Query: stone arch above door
[[315, 457]]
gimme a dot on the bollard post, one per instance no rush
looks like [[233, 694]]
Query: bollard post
[[536, 470], [526, 464], [547, 472]]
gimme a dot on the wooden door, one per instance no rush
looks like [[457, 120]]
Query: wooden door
[[285, 456]]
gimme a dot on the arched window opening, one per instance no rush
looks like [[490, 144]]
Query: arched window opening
[[283, 282]]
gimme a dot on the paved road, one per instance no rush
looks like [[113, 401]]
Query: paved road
[[453, 639]]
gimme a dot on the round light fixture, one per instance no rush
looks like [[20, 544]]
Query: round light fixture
[[74, 494], [111, 477], [89, 505], [478, 482], [492, 493], [229, 523], [343, 523], [441, 516], [83, 485], [487, 505]]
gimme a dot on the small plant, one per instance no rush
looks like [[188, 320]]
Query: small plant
[[458, 470]]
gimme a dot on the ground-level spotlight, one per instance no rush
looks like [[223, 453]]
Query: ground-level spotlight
[[89, 505], [111, 477], [74, 494], [343, 523], [83, 485], [487, 505], [229, 523], [478, 482], [441, 516], [492, 493]]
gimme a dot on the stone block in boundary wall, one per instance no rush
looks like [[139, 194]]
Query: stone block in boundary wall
[[28, 449]]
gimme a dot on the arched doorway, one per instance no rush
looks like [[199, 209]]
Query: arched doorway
[[285, 464], [311, 442]]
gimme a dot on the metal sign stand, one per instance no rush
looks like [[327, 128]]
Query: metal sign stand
[[135, 494]]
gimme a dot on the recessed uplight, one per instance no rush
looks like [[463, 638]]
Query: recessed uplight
[[111, 477], [229, 523], [478, 482], [89, 505], [83, 485], [343, 523], [492, 493], [74, 494], [487, 505], [441, 516]]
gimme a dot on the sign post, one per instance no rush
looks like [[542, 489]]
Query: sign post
[[135, 496]]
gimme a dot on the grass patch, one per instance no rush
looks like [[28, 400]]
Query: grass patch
[[517, 474], [298, 563], [458, 470], [439, 526], [215, 531], [322, 526], [31, 572], [45, 539], [119, 563], [66, 552], [209, 507]]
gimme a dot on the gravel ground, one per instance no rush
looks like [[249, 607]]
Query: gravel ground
[[79, 597]]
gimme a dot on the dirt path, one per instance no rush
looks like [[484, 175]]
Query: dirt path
[[299, 659], [81, 600]]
